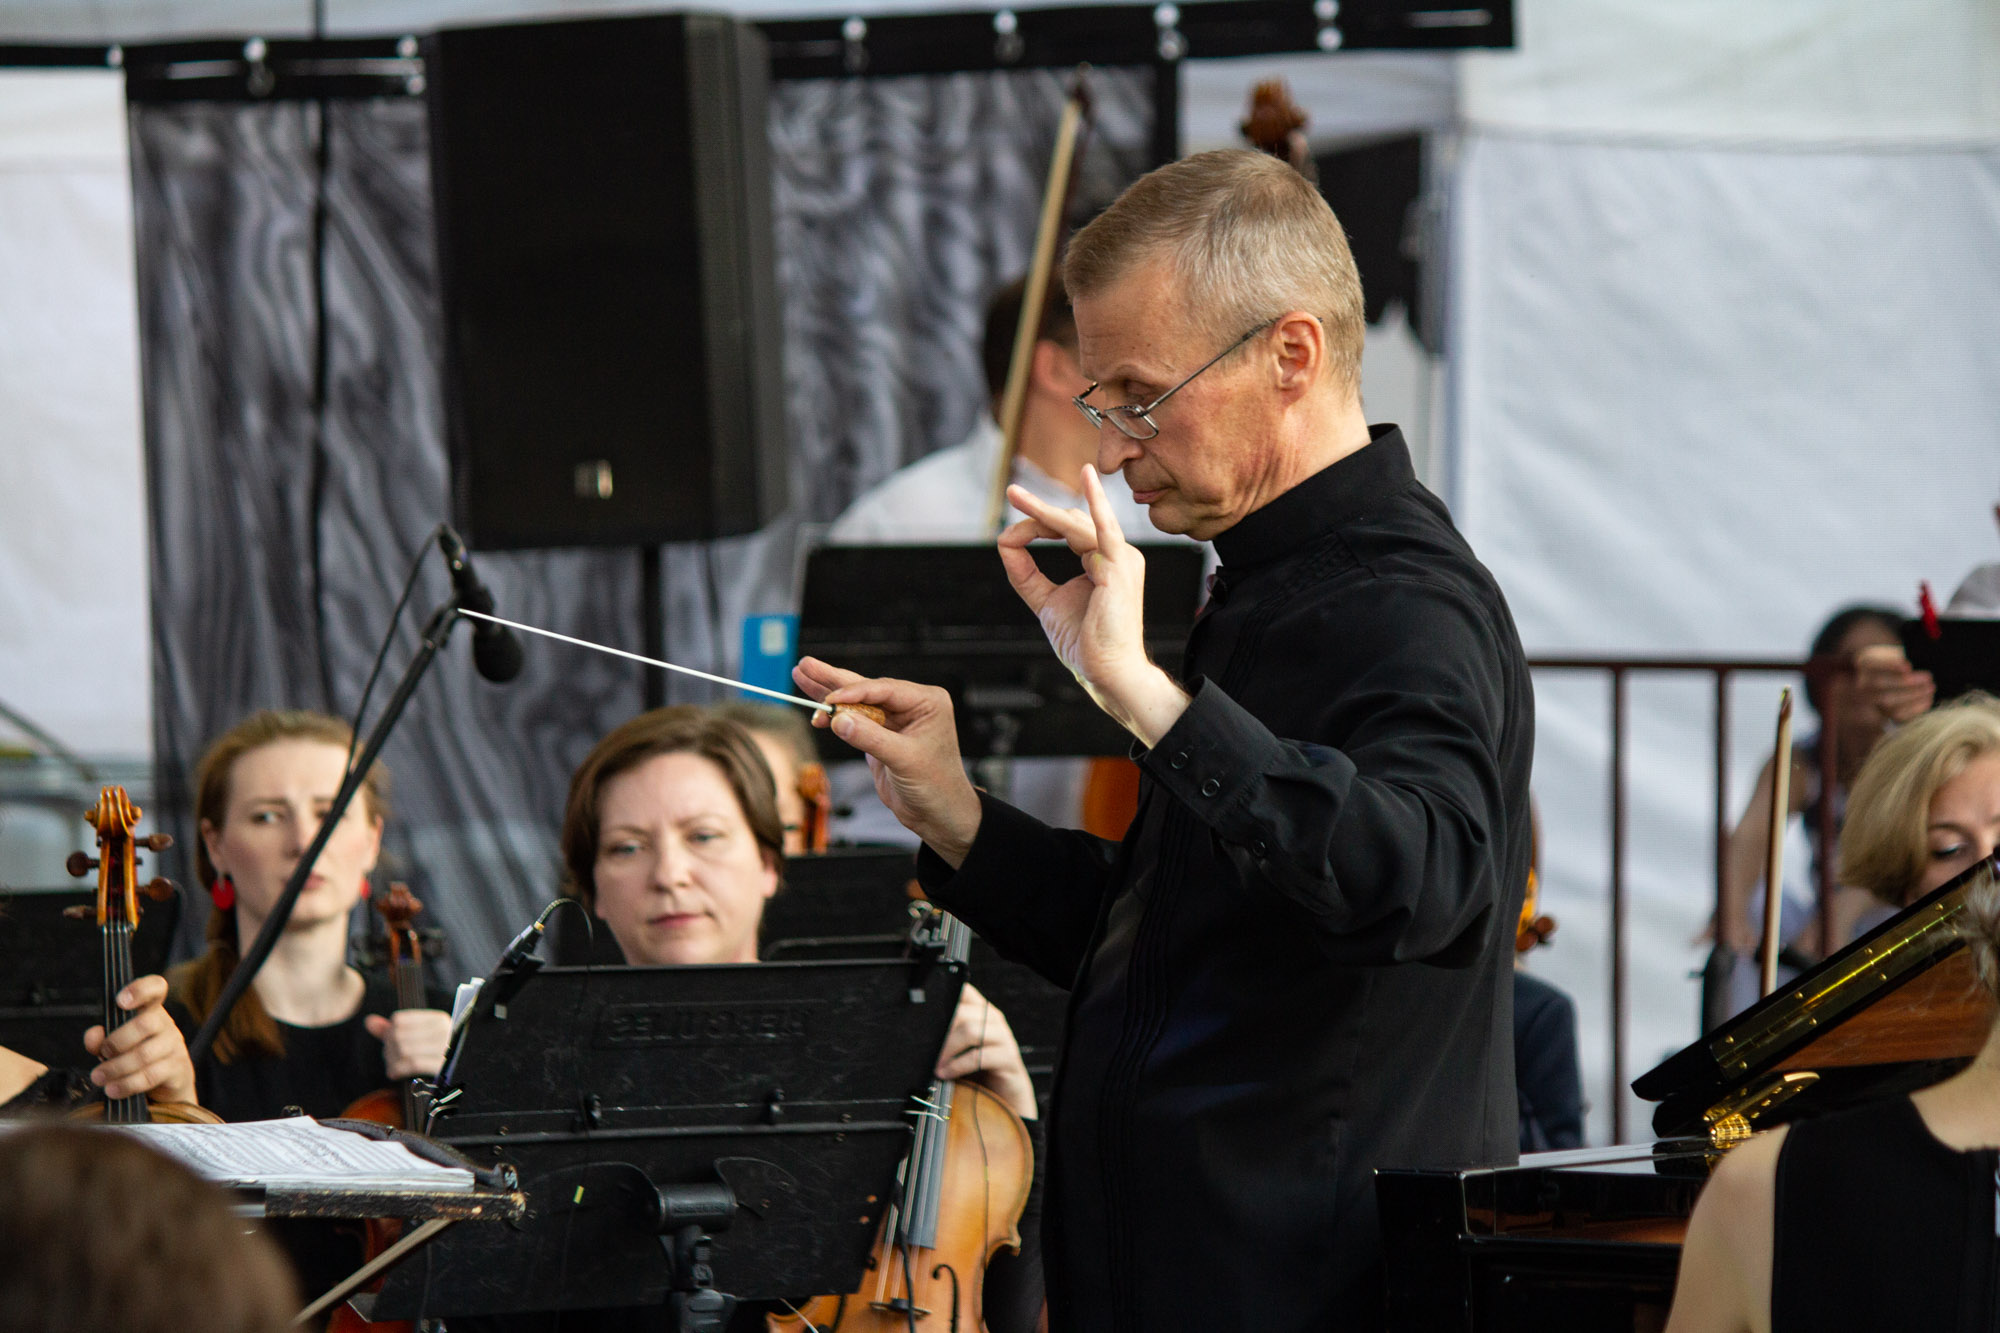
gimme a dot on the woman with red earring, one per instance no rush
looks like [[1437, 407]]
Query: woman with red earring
[[311, 1032]]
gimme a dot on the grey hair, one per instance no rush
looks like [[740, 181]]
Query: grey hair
[[1249, 239], [1980, 926]]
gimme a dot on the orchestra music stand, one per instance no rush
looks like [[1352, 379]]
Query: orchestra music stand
[[856, 903], [682, 1132], [52, 969], [946, 615]]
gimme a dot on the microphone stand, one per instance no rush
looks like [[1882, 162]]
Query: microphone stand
[[436, 631]]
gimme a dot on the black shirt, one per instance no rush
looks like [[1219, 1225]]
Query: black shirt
[[1297, 967], [1879, 1225], [322, 1072]]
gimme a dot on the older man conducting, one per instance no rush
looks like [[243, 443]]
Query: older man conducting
[[1296, 967]]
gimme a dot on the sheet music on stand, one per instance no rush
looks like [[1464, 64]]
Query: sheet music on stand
[[683, 1132], [302, 1167]]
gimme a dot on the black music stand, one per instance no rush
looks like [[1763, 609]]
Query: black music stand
[[682, 1132], [946, 615], [856, 903], [1964, 656], [52, 969]]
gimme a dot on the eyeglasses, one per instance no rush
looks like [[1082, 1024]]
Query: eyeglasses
[[1136, 422]]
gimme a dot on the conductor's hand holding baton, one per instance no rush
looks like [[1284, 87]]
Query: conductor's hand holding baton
[[914, 758], [1094, 622]]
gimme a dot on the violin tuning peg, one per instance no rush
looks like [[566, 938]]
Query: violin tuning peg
[[159, 890], [80, 864], [157, 842], [80, 913]]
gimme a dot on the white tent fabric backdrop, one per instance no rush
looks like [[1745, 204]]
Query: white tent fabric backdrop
[[75, 648], [1726, 340]]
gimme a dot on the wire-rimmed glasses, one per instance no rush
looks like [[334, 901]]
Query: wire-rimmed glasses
[[1135, 421]]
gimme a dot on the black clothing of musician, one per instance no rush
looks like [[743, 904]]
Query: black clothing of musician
[[323, 1071], [1547, 1078], [1297, 966], [56, 1090], [1877, 1224]]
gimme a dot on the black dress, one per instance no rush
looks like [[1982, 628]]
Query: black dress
[[1880, 1226]]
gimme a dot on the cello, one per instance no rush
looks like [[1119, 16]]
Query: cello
[[964, 1184], [117, 913]]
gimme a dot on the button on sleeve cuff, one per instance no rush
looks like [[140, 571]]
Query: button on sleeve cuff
[[1214, 756]]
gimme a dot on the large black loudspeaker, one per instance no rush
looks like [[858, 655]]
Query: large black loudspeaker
[[603, 200]]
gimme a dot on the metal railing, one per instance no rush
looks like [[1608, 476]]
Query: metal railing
[[1619, 670]]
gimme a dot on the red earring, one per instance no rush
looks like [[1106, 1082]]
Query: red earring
[[223, 893], [366, 888]]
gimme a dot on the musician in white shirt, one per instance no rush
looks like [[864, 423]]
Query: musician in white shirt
[[943, 498]]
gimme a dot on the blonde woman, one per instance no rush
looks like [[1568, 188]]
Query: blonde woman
[[1881, 1216]]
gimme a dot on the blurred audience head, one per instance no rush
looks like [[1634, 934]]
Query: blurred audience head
[[1845, 633], [101, 1232]]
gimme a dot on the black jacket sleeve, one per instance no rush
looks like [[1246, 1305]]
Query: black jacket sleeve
[[1389, 843], [1031, 891]]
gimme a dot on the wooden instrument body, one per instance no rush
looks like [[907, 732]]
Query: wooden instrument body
[[988, 1165]]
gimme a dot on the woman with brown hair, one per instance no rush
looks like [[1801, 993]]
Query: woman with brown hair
[[311, 1032], [672, 838], [1882, 1216]]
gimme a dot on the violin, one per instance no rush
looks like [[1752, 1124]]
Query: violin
[[117, 912], [965, 1182], [1533, 930], [404, 1106], [817, 794]]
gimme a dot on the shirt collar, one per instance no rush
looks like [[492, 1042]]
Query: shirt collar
[[1322, 503]]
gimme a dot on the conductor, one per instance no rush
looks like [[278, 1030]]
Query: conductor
[[1296, 967]]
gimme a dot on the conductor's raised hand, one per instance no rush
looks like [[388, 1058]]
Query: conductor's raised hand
[[912, 754], [1096, 621]]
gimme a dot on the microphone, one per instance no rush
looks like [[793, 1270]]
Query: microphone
[[496, 653], [524, 944]]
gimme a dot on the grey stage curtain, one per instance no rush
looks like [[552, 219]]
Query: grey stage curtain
[[281, 534]]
